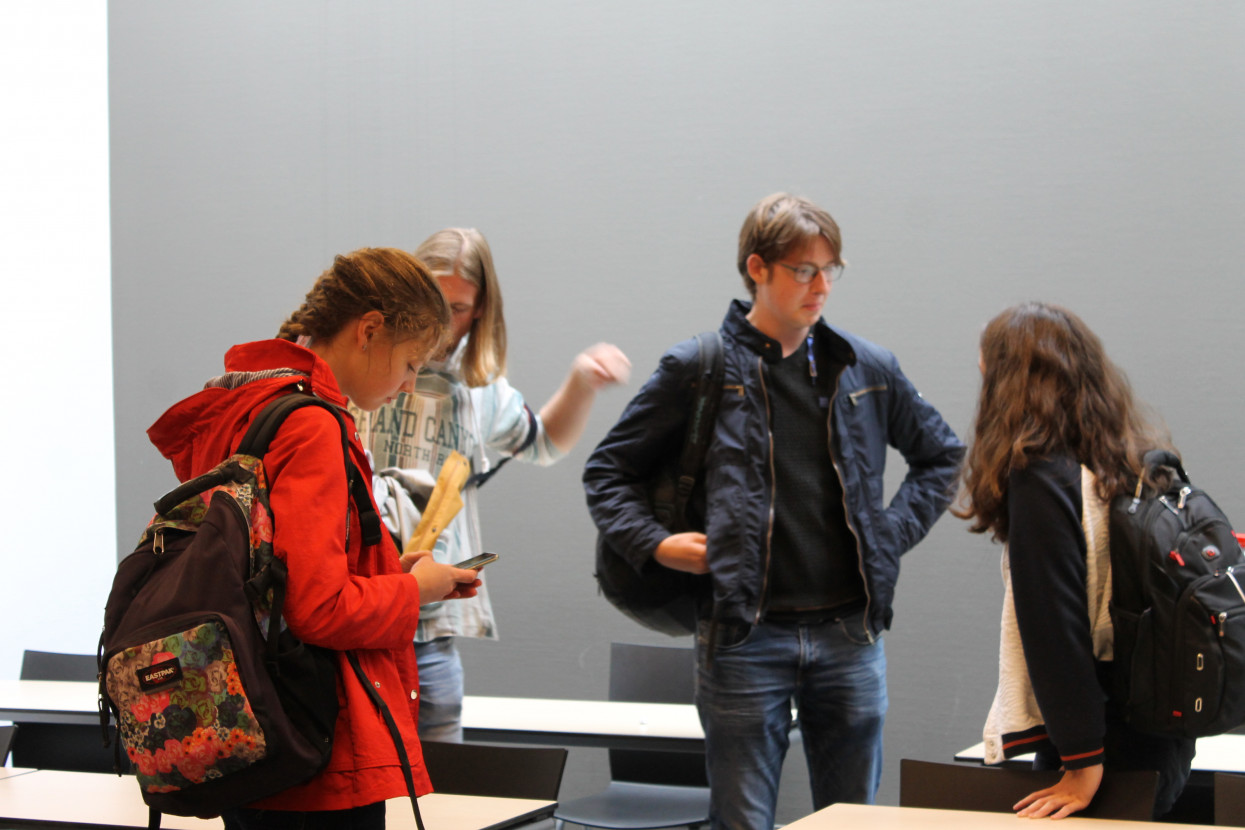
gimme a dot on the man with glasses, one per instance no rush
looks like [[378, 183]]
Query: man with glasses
[[803, 554]]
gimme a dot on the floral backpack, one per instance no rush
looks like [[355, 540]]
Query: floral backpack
[[216, 703]]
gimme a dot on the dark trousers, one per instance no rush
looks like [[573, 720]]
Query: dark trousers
[[371, 817]]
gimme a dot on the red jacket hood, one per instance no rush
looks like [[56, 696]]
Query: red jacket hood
[[201, 431]]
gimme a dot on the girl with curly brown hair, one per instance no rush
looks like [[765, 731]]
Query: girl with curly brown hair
[[1058, 434]]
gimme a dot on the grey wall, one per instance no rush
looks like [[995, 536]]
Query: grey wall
[[975, 154]]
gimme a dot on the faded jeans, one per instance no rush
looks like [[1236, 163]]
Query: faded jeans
[[440, 690], [837, 681]]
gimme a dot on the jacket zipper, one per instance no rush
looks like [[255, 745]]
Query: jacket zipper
[[847, 514], [769, 530], [855, 397]]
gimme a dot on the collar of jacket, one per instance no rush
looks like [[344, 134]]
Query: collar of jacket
[[196, 423], [267, 355], [736, 325]]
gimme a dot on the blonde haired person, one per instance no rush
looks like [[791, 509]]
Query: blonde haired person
[[464, 403]]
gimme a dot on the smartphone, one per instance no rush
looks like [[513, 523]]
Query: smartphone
[[476, 562]]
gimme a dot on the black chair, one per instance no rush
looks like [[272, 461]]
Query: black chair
[[1122, 795], [1229, 800], [6, 741], [53, 665], [74, 747], [499, 771], [648, 788]]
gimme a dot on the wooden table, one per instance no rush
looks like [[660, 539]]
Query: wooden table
[[674, 726], [485, 719], [6, 772], [1219, 753], [873, 817], [49, 701], [108, 800]]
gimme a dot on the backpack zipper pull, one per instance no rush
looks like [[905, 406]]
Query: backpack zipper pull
[[1232, 576], [1223, 618], [1184, 494], [1132, 508]]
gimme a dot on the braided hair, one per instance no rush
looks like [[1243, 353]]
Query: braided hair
[[373, 279]]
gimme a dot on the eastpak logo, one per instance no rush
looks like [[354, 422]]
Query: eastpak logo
[[159, 675]]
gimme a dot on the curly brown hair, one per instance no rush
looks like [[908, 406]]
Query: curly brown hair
[[1048, 387], [373, 279]]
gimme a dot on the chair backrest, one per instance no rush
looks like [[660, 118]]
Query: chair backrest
[[6, 741], [500, 771], [51, 665], [1229, 800], [1122, 795], [654, 674], [74, 747]]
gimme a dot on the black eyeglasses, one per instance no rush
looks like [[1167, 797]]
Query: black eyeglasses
[[805, 272]]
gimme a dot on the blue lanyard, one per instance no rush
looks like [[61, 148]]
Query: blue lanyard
[[812, 362]]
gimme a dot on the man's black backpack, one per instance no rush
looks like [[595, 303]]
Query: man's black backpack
[[658, 597], [217, 704], [1177, 609]]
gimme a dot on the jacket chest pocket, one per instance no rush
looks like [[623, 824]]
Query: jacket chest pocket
[[860, 396]]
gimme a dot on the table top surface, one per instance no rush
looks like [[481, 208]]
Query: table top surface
[[6, 772], [1218, 753], [586, 717], [69, 697], [77, 701], [874, 817], [98, 798]]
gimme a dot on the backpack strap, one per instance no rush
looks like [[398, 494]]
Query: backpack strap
[[264, 428], [479, 479], [1164, 458], [1152, 460], [255, 442], [383, 708], [710, 371]]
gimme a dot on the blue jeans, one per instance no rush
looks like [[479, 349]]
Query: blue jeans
[[837, 680], [440, 690]]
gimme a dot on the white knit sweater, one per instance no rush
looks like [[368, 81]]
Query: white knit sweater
[[1015, 708]]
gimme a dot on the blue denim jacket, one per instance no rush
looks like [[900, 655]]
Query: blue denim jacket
[[873, 406]]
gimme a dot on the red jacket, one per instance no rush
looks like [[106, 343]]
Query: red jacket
[[341, 595]]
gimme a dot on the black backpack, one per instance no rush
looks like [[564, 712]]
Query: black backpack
[[658, 597], [1177, 609], [217, 704]]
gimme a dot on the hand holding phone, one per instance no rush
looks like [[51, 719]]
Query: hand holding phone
[[476, 562]]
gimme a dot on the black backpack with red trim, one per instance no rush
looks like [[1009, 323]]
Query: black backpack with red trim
[[1177, 609]]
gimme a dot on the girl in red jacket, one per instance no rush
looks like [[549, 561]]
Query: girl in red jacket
[[362, 334]]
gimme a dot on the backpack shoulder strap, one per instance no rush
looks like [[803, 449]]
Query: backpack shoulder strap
[[480, 479], [709, 375], [264, 427], [394, 733]]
